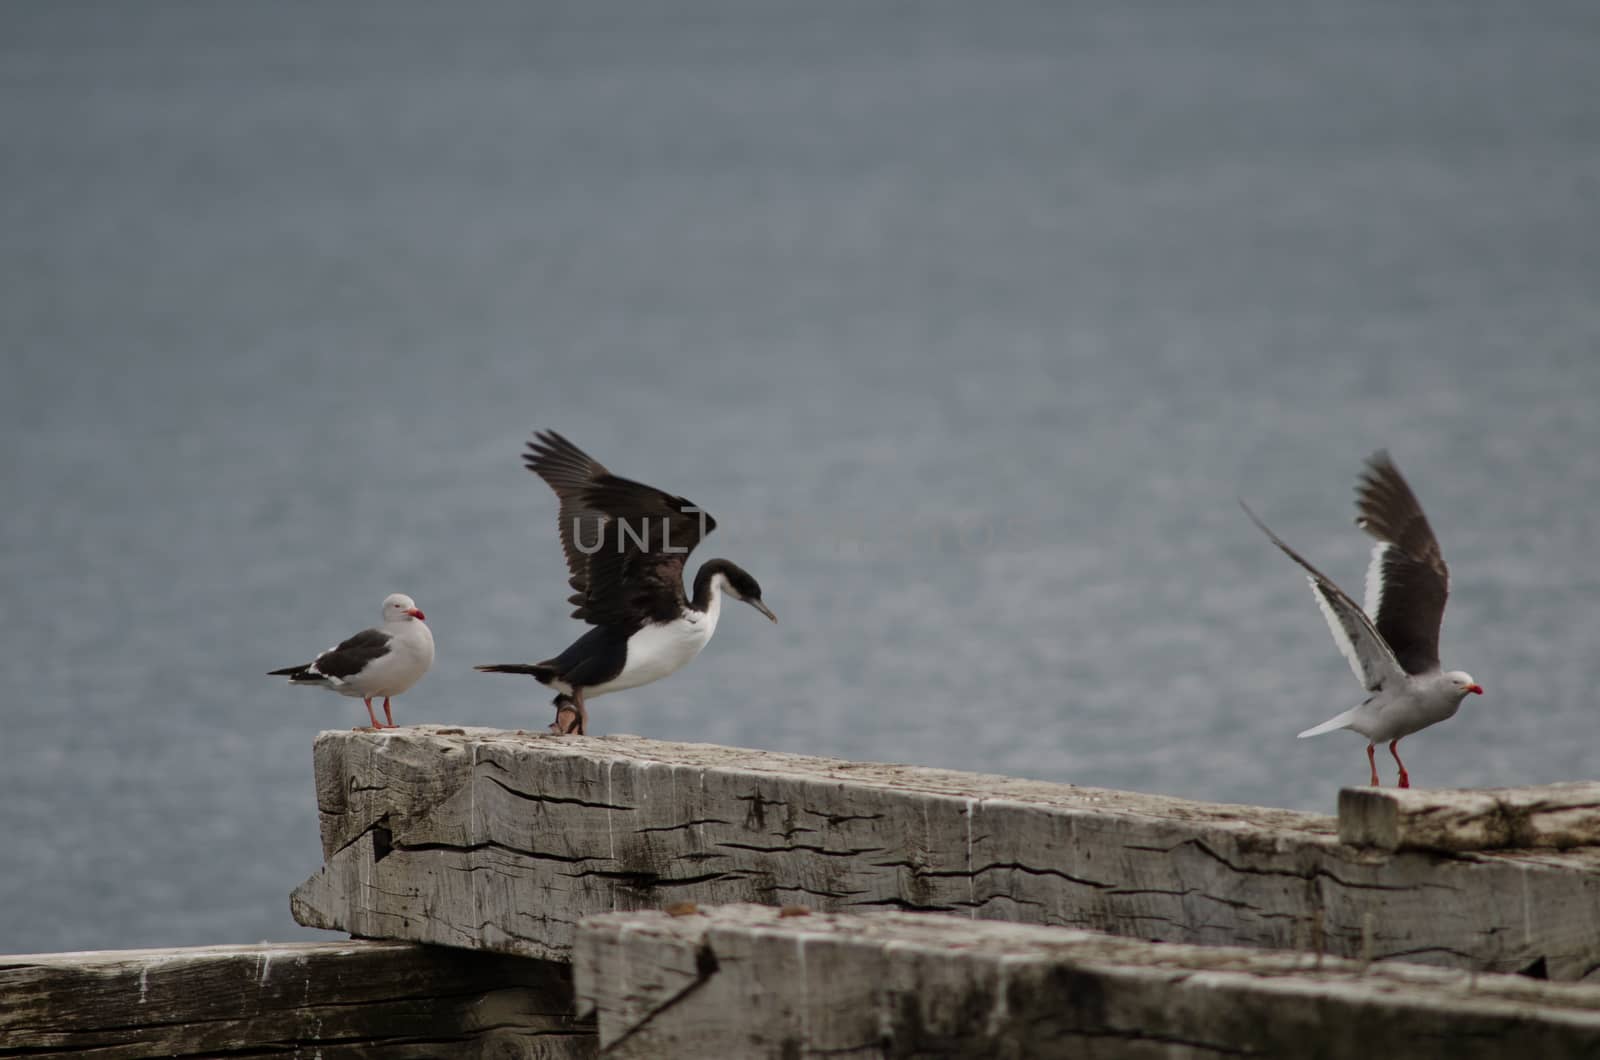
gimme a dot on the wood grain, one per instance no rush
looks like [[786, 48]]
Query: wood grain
[[332, 1000], [1551, 815], [503, 842], [745, 981]]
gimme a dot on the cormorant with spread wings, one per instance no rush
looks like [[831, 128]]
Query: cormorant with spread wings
[[626, 546]]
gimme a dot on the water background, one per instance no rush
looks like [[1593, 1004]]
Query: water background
[[969, 322]]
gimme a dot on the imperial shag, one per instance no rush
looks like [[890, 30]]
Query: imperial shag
[[626, 546]]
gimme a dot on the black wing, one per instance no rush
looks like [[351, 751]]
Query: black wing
[[625, 542], [1408, 582], [569, 471], [637, 574], [352, 656]]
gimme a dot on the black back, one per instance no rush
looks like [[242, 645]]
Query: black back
[[353, 655]]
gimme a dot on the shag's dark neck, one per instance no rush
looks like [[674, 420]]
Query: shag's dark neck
[[704, 586]]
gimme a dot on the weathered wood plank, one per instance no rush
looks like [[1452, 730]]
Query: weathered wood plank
[[1551, 815], [540, 831], [344, 999], [745, 981]]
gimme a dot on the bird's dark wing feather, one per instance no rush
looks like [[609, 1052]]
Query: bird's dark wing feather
[[1408, 582], [353, 655], [625, 542], [637, 575], [569, 471], [1363, 648]]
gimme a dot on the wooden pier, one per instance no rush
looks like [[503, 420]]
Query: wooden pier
[[499, 842], [557, 897], [750, 981], [332, 1000]]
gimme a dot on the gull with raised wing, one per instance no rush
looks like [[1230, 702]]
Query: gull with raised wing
[[1392, 644]]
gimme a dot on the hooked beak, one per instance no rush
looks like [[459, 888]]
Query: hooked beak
[[1475, 689], [763, 608], [415, 613]]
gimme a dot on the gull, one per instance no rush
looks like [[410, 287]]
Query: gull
[[1392, 644]]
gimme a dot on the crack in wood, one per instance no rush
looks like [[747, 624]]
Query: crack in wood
[[1316, 872], [697, 822], [706, 966], [798, 847], [803, 889], [905, 906], [1034, 870], [555, 800], [491, 844], [644, 880]]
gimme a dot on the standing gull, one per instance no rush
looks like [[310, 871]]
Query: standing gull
[[384, 661], [1395, 652], [626, 546]]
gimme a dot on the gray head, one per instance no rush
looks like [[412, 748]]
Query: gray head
[[398, 607], [734, 580]]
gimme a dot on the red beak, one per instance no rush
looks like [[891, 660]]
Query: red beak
[[414, 613], [1478, 689]]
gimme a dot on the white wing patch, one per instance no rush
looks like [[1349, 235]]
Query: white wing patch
[[1375, 586], [1369, 658], [1341, 636]]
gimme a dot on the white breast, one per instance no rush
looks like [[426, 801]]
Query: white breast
[[410, 656], [662, 648], [1421, 701]]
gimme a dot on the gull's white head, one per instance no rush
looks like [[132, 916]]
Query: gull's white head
[[398, 607], [1463, 682]]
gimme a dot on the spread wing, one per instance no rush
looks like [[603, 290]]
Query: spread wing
[[1407, 582], [569, 471], [1363, 648], [637, 575], [625, 542]]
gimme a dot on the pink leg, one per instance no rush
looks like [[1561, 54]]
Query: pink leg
[[1394, 749], [386, 713], [566, 716], [1372, 765], [368, 701]]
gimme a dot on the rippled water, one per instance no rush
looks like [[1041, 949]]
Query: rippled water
[[968, 322]]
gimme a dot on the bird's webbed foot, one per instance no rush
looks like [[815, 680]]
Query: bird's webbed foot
[[567, 717]]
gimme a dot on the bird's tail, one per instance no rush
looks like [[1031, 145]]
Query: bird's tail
[[1338, 721], [300, 675], [538, 671]]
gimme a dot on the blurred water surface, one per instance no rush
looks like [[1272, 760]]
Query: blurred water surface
[[968, 322]]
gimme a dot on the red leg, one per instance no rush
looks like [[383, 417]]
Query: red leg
[[1372, 765], [386, 713], [1394, 749], [368, 701]]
